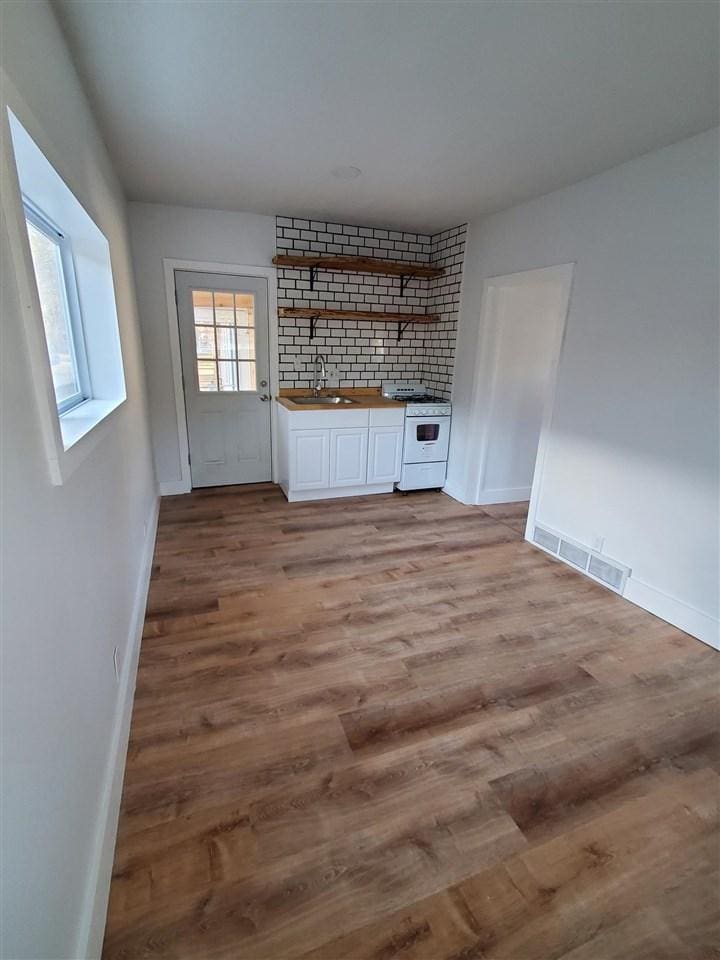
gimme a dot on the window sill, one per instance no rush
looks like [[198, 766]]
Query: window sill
[[78, 422], [81, 430]]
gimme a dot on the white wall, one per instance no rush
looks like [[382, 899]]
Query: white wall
[[161, 232], [633, 447], [73, 556]]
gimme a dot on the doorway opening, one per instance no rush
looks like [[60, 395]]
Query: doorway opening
[[523, 325]]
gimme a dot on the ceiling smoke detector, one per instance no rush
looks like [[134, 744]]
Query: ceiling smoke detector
[[346, 173]]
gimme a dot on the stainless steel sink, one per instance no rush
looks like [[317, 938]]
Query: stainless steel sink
[[328, 401]]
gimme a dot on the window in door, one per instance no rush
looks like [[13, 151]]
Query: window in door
[[224, 340]]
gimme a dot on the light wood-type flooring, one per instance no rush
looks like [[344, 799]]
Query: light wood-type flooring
[[388, 727]]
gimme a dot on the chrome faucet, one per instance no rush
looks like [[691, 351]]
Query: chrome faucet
[[319, 374]]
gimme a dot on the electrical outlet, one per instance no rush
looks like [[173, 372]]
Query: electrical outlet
[[116, 663], [298, 364]]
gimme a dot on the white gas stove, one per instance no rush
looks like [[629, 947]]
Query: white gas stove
[[427, 435]]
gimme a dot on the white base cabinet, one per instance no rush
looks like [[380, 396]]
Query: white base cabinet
[[309, 456], [348, 456], [339, 453], [385, 447]]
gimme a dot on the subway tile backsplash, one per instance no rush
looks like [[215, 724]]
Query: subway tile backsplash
[[363, 353]]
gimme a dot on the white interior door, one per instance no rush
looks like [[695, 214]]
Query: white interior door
[[225, 360]]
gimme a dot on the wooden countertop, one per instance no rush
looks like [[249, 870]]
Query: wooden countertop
[[365, 398]]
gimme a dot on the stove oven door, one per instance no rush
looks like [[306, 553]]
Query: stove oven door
[[427, 439]]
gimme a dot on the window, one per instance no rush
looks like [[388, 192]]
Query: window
[[224, 340], [73, 335], [55, 278]]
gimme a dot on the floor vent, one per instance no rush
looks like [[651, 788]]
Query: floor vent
[[546, 539], [574, 555], [606, 571], [612, 574]]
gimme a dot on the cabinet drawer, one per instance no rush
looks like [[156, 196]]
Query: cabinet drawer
[[327, 419], [387, 417]]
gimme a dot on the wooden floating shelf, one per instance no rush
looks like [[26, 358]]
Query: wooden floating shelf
[[349, 264], [402, 319], [395, 268]]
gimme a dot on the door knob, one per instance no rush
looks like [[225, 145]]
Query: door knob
[[263, 383], [264, 396]]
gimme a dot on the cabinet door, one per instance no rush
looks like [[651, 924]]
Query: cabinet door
[[385, 454], [309, 459], [348, 457]]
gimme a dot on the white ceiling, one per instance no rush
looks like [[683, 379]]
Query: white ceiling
[[451, 110]]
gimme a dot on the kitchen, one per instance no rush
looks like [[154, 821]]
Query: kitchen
[[378, 365], [367, 324]]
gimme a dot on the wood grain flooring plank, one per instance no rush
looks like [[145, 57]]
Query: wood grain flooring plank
[[388, 727]]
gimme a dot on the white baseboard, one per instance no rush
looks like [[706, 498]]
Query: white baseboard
[[172, 488], [504, 495], [454, 492], [333, 493], [677, 612], [92, 921]]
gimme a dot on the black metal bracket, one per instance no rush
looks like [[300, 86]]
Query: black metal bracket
[[403, 280], [313, 321], [313, 274], [402, 327]]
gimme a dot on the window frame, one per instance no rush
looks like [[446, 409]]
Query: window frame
[[49, 229]]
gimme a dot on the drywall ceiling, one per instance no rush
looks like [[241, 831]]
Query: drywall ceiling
[[451, 110]]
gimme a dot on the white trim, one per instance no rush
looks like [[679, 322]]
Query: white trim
[[91, 927], [486, 375], [172, 488], [184, 484], [455, 492], [565, 273], [504, 495], [68, 438], [680, 614]]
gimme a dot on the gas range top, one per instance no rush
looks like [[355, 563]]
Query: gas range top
[[421, 398], [410, 392], [419, 403]]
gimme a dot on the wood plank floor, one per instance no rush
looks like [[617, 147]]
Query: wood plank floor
[[388, 727]]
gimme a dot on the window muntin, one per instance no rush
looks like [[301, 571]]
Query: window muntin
[[54, 276], [224, 341]]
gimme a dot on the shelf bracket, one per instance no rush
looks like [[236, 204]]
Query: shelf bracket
[[403, 281], [313, 321], [313, 274], [402, 327]]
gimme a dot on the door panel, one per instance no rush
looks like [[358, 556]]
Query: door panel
[[348, 457], [309, 459], [385, 454], [225, 357]]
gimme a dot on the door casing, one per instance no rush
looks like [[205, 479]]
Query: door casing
[[183, 484], [562, 275]]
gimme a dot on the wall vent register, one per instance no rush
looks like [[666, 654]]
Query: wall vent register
[[608, 572]]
